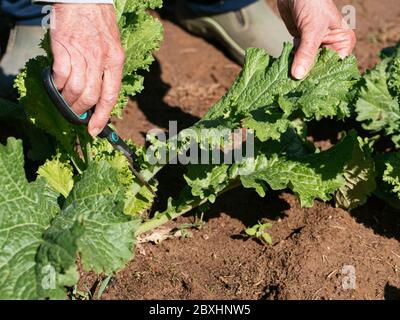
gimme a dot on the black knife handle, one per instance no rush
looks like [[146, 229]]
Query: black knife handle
[[58, 100]]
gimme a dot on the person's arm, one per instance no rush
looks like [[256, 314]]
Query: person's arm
[[315, 23], [88, 56]]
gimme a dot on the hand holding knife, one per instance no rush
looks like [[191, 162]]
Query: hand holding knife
[[107, 133]]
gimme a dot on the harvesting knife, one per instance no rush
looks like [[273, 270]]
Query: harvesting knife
[[107, 133]]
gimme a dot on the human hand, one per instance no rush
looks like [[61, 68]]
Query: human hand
[[88, 59], [315, 23]]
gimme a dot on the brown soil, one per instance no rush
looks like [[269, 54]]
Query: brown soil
[[310, 246]]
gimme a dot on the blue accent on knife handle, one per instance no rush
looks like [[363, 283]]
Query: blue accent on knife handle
[[114, 137], [83, 116], [110, 135]]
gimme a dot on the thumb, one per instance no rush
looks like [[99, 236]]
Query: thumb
[[305, 55]]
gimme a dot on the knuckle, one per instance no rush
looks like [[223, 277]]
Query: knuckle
[[120, 55], [100, 119], [311, 42], [75, 89], [109, 100], [78, 108], [103, 118], [96, 54], [89, 100], [61, 71], [117, 57], [306, 54]]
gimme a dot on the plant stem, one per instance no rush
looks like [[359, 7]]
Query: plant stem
[[166, 216], [76, 164], [88, 150]]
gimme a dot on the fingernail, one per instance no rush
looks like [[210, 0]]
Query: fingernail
[[342, 54], [94, 132], [299, 72]]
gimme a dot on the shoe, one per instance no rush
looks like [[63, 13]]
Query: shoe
[[255, 25], [23, 44]]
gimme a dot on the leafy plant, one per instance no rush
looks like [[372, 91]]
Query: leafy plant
[[85, 202], [266, 99], [88, 205], [258, 231], [378, 105], [40, 237], [378, 108]]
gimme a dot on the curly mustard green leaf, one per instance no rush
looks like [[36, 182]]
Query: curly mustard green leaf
[[326, 91], [206, 181], [315, 176], [98, 201], [359, 174], [264, 81], [141, 34], [39, 108], [378, 106], [26, 211], [388, 168], [267, 124], [58, 174]]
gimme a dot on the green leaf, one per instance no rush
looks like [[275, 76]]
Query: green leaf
[[313, 176], [261, 80], [102, 150], [359, 175], [378, 109], [91, 223], [98, 201], [206, 181], [267, 238], [12, 115], [26, 211], [392, 174], [258, 231], [265, 82], [252, 231], [104, 284], [394, 72], [263, 98], [388, 171], [267, 124], [141, 34], [59, 175], [40, 242], [56, 260], [138, 199], [38, 107], [392, 177], [326, 91]]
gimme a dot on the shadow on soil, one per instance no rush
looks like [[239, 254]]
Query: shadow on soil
[[247, 206], [151, 102], [242, 204], [380, 217], [391, 293]]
